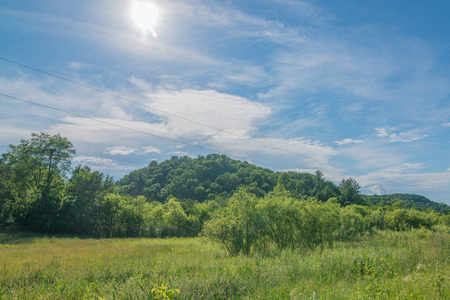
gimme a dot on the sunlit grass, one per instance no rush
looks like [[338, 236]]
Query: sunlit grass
[[386, 266]]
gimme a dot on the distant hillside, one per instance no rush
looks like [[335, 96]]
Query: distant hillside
[[218, 176], [215, 176], [407, 201]]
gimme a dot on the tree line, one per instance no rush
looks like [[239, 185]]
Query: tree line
[[241, 205]]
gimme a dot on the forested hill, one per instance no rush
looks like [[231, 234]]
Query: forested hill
[[407, 201], [218, 176], [215, 176], [200, 179]]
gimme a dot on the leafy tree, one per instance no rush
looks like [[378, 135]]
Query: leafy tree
[[175, 220], [85, 191], [33, 175], [350, 193], [239, 226], [131, 216], [279, 211]]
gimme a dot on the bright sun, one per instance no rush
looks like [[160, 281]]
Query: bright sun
[[145, 15]]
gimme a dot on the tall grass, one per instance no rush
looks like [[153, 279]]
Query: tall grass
[[390, 265]]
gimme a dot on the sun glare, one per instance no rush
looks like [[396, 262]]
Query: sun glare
[[145, 15]]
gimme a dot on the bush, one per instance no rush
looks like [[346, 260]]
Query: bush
[[287, 222], [239, 225], [402, 219]]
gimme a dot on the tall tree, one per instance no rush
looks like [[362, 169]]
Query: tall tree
[[33, 173], [350, 193], [85, 192]]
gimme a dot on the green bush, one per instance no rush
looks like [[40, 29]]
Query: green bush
[[239, 225], [286, 222], [402, 219]]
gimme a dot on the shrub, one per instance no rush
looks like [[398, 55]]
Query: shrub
[[238, 226]]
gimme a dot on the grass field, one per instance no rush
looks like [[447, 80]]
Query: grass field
[[390, 265]]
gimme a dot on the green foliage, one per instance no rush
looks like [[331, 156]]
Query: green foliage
[[350, 193], [402, 219], [287, 222], [301, 185], [408, 201], [85, 193], [298, 224], [32, 176], [239, 225], [201, 179], [163, 292], [356, 221]]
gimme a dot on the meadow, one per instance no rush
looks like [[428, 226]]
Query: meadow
[[389, 265]]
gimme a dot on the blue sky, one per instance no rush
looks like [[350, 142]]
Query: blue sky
[[355, 89]]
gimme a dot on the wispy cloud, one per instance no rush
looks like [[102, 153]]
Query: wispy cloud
[[102, 164], [349, 141], [147, 150], [404, 167], [76, 65], [123, 150], [405, 137], [382, 132], [120, 150], [235, 115]]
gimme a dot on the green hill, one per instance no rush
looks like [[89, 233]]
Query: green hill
[[217, 176], [408, 201]]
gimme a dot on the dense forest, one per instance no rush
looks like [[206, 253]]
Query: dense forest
[[236, 203]]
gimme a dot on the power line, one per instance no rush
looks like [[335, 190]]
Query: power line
[[132, 129], [159, 110]]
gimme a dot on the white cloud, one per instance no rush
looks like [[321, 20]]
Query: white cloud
[[76, 65], [376, 189], [349, 141], [149, 149], [141, 83], [102, 164], [120, 150], [235, 115], [405, 137], [404, 168], [116, 112], [382, 132], [446, 124]]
